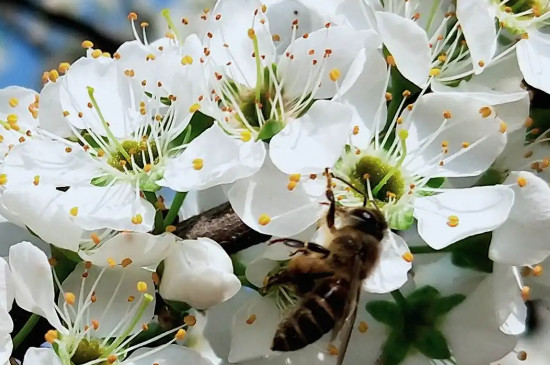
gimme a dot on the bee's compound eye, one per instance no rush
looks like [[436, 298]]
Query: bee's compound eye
[[364, 215]]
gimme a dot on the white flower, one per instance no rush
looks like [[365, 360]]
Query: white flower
[[199, 273], [6, 300], [523, 19], [104, 306]]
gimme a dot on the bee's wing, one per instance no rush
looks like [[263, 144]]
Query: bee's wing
[[346, 323]]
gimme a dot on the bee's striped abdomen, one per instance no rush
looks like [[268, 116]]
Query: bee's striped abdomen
[[315, 316]]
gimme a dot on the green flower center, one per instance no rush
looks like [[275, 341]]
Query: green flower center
[[374, 170], [137, 150], [87, 351]]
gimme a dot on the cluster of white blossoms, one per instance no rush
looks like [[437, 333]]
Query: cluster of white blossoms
[[231, 125]]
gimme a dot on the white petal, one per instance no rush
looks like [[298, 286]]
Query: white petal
[[534, 57], [198, 201], [299, 73], [6, 347], [108, 207], [38, 209], [358, 13], [232, 30], [472, 329], [51, 111], [391, 272], [225, 159], [111, 91], [479, 209], [6, 300], [50, 162], [33, 282], [23, 97], [408, 44], [291, 211], [529, 217], [143, 249], [41, 356], [114, 286], [199, 273], [258, 269], [427, 131], [314, 141], [478, 25], [251, 341], [171, 355]]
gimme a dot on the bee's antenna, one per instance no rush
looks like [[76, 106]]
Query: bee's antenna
[[352, 187], [330, 196]]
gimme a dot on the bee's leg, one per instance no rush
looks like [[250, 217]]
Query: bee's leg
[[314, 247], [290, 242], [330, 196], [280, 278]]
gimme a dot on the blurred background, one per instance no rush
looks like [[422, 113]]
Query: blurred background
[[36, 35]]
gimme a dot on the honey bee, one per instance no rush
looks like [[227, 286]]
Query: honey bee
[[328, 278]]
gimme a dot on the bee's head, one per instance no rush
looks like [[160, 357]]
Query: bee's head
[[369, 220]]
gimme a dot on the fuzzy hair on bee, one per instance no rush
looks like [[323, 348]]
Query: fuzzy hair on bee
[[328, 277]]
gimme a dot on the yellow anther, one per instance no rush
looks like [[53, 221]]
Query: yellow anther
[[131, 298], [51, 336], [111, 262], [408, 256], [95, 238], [73, 211], [445, 144], [144, 24], [180, 335], [137, 219], [251, 319], [522, 181], [390, 60], [276, 38], [96, 53], [150, 57], [198, 163], [447, 114], [87, 44], [147, 167], [12, 118], [332, 350], [63, 67], [129, 73], [294, 177], [537, 270], [388, 96], [116, 56], [132, 16], [399, 120], [106, 54], [126, 262], [170, 35], [95, 324], [170, 228], [452, 221], [403, 134], [503, 127], [363, 327], [193, 108], [190, 320], [264, 8], [36, 180], [465, 144], [111, 359], [264, 219], [406, 93], [522, 356], [442, 58], [141, 286], [251, 33], [53, 75], [481, 63], [525, 293], [334, 74], [13, 102], [291, 185], [187, 60], [70, 298], [435, 72], [355, 130], [246, 136], [485, 112], [101, 153], [145, 327]]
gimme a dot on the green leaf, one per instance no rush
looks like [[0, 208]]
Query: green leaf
[[66, 261], [395, 349], [269, 129], [198, 124], [385, 312], [432, 343], [446, 304], [473, 253], [102, 180], [422, 296], [434, 183], [491, 177]]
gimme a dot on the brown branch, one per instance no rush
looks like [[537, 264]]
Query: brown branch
[[223, 226]]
